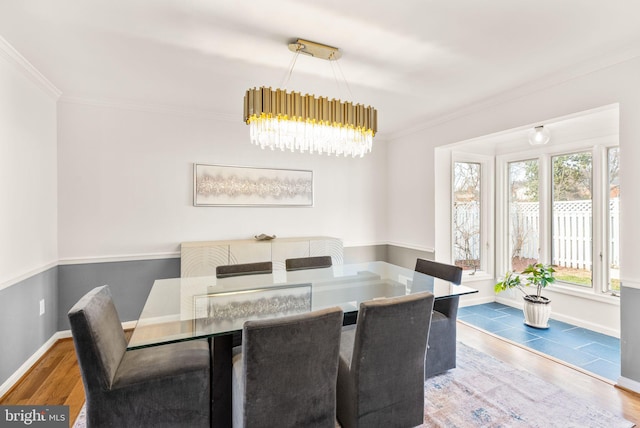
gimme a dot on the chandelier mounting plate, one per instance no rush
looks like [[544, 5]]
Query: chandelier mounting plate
[[316, 50]]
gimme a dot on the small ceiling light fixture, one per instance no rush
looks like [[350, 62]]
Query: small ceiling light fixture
[[539, 136], [306, 123]]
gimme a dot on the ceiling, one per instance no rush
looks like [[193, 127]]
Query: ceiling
[[414, 60]]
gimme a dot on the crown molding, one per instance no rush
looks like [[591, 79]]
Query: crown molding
[[586, 67], [152, 108], [26, 68]]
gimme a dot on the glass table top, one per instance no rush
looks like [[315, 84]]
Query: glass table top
[[180, 309]]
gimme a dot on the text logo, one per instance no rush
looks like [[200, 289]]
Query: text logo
[[34, 416]]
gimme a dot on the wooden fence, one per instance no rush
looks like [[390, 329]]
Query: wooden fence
[[572, 227]]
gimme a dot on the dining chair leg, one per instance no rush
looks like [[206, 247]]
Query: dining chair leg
[[221, 381]]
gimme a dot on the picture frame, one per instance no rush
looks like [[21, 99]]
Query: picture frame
[[223, 185]]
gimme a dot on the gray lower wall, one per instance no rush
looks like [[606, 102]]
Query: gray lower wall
[[406, 257], [22, 329], [629, 337], [363, 254], [130, 283]]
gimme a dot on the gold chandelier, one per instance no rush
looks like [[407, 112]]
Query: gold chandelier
[[290, 121]]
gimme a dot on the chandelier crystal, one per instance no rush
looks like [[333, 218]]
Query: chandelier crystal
[[290, 121]]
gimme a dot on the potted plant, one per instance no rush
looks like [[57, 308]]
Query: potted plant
[[537, 308]]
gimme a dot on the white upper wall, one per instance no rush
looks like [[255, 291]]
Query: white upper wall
[[126, 184], [28, 171], [412, 217]]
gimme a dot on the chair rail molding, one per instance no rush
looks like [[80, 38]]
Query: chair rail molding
[[118, 258], [417, 247], [28, 274]]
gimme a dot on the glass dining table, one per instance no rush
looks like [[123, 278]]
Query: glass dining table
[[179, 309]]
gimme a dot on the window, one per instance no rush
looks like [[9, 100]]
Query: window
[[571, 226], [562, 207], [467, 215], [524, 214], [613, 231]]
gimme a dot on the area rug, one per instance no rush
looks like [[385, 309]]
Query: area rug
[[485, 392]]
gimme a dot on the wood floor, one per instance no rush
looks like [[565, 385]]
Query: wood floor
[[55, 378]]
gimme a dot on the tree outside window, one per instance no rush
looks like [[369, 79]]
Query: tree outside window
[[466, 215], [524, 214], [572, 218]]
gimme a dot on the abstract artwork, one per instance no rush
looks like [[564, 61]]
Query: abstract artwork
[[218, 185], [228, 310]]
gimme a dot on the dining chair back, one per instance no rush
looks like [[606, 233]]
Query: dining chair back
[[444, 271], [443, 336], [381, 368], [316, 262], [240, 269], [225, 271], [285, 374]]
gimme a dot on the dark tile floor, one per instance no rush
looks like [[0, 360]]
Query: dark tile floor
[[589, 350]]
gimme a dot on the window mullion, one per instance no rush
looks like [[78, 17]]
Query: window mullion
[[544, 190], [599, 218], [502, 216]]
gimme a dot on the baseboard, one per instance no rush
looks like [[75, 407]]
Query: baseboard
[[628, 384], [26, 366], [565, 318], [470, 300]]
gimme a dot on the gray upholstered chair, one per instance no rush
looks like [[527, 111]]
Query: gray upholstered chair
[[308, 263], [228, 271], [442, 338], [163, 386], [225, 271], [381, 369], [285, 375]]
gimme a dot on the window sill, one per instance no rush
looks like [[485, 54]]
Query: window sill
[[584, 294], [478, 276]]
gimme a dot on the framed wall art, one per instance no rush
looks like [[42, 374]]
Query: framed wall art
[[220, 185]]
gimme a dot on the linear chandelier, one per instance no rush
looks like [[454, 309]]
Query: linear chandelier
[[290, 121]]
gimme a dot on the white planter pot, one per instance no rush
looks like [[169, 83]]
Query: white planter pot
[[536, 313]]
